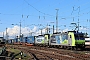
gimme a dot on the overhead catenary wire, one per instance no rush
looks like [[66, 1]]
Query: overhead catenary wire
[[37, 9], [49, 14]]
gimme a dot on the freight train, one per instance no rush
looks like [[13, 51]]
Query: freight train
[[67, 40]]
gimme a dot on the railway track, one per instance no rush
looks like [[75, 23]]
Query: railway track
[[35, 54], [80, 55], [43, 53]]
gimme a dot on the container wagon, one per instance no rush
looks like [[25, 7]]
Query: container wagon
[[29, 40]]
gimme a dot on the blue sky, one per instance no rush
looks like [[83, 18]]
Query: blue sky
[[43, 12]]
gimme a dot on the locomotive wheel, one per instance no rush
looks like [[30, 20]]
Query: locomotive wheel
[[75, 48]]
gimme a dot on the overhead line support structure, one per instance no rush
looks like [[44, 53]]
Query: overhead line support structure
[[57, 20], [20, 27]]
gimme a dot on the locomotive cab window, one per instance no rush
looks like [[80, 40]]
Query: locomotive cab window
[[45, 38], [70, 36], [79, 36], [52, 36]]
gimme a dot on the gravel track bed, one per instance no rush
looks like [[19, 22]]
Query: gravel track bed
[[44, 53]]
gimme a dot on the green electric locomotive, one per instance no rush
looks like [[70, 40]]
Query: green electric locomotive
[[70, 39]]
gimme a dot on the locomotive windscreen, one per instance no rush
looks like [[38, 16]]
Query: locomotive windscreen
[[79, 36]]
